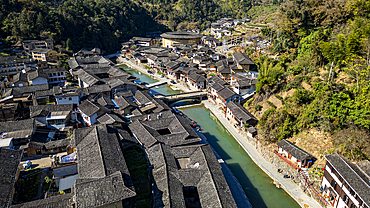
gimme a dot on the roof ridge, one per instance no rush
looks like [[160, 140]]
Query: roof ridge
[[352, 170], [96, 131]]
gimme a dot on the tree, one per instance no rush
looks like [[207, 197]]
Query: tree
[[69, 44], [358, 68]]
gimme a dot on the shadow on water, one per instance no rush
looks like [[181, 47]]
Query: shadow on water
[[213, 141], [249, 189]]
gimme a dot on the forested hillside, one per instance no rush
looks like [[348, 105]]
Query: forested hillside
[[105, 23], [80, 23], [321, 80], [201, 11]]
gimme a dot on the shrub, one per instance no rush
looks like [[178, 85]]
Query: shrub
[[271, 104], [258, 107]]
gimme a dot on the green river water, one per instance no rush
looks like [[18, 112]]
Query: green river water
[[255, 183]]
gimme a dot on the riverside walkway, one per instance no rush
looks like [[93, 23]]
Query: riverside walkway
[[290, 187]]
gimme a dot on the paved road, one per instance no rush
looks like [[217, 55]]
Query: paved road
[[290, 187]]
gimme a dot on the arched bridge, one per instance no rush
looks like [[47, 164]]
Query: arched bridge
[[169, 99]]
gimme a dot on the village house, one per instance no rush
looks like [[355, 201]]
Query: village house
[[214, 85], [19, 80], [43, 97], [141, 41], [243, 83], [243, 62], [192, 177], [295, 154], [55, 75], [111, 119], [223, 69], [103, 177], [211, 41], [80, 62], [53, 116], [29, 45], [239, 117], [10, 65], [164, 127], [41, 54], [23, 96], [346, 184], [96, 90], [65, 176], [46, 147], [69, 97], [9, 171], [9, 111], [102, 170], [196, 80], [226, 95], [37, 78], [91, 111], [15, 133], [87, 52], [126, 105]]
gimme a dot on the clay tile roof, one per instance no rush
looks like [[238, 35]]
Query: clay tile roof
[[58, 201], [102, 191], [240, 112], [353, 175], [89, 108], [163, 127], [293, 150], [10, 161], [193, 165], [242, 58]]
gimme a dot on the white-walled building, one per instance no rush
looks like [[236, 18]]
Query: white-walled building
[[295, 154], [346, 184], [91, 111]]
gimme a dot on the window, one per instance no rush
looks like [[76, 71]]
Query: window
[[333, 183], [69, 98], [345, 199], [60, 98], [351, 191]]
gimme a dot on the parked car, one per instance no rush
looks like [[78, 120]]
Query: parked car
[[173, 82]]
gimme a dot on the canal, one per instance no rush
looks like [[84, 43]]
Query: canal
[[255, 183]]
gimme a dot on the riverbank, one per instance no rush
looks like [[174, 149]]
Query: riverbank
[[291, 188]]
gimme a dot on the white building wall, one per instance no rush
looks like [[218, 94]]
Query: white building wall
[[68, 100], [39, 81], [93, 118]]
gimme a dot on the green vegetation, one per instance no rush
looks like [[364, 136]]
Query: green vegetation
[[81, 23], [138, 168], [323, 59]]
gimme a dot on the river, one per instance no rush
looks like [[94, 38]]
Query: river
[[255, 183]]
